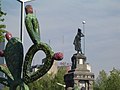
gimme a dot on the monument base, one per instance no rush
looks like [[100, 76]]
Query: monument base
[[80, 76]]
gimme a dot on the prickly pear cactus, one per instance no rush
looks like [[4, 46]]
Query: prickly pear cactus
[[13, 54], [28, 60], [14, 57], [17, 69]]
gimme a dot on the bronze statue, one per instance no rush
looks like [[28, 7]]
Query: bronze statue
[[77, 41], [32, 25]]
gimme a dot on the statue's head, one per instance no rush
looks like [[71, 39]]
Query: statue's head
[[79, 30], [28, 9]]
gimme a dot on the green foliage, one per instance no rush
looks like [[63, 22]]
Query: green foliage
[[108, 82], [2, 26], [101, 80], [5, 88], [113, 81], [49, 82]]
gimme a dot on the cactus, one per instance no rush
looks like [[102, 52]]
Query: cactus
[[15, 64], [17, 69]]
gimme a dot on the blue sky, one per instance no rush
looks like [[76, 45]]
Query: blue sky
[[60, 19]]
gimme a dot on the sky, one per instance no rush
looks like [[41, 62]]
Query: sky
[[59, 21]]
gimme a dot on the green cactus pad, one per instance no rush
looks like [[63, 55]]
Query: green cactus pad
[[28, 60], [14, 57]]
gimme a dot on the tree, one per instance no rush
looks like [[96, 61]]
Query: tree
[[108, 82], [2, 26], [49, 81], [100, 81], [113, 81], [59, 78]]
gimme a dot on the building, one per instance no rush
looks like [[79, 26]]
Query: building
[[53, 70]]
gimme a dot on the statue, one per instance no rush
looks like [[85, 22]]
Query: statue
[[17, 67], [32, 25], [74, 62], [77, 41]]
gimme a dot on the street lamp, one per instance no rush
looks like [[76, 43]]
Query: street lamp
[[22, 22], [24, 0], [22, 17], [83, 22]]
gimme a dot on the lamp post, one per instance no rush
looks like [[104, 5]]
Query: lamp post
[[22, 17], [22, 22], [83, 22]]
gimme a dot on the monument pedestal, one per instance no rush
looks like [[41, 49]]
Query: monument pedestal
[[80, 76]]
